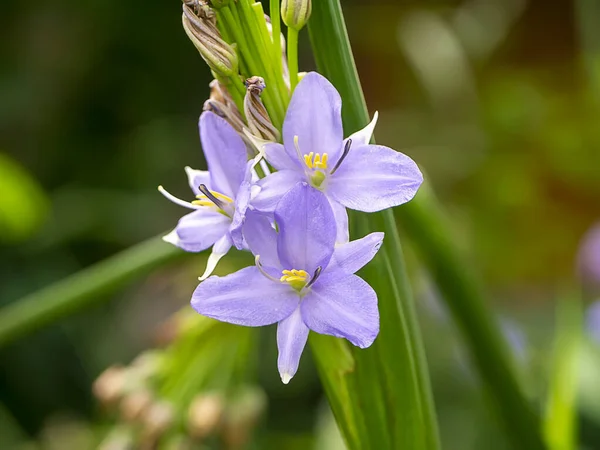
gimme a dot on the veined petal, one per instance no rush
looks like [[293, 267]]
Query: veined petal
[[373, 178], [273, 187], [354, 255], [363, 137], [220, 249], [292, 335], [241, 206], [261, 238], [314, 115], [341, 221], [278, 158], [199, 230], [245, 297], [196, 178], [344, 306], [307, 229], [225, 153]]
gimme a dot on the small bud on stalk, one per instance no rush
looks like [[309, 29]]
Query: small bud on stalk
[[201, 28], [257, 116], [205, 414], [295, 13]]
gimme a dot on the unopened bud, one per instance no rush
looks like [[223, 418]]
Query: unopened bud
[[158, 419], [205, 414], [257, 116], [295, 13], [134, 406], [202, 30], [110, 386]]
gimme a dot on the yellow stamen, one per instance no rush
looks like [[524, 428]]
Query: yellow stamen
[[216, 194], [316, 161], [295, 278]]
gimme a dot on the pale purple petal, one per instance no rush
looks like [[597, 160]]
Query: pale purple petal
[[273, 187], [589, 256], [199, 230], [245, 297], [279, 159], [354, 255], [241, 206], [225, 153], [220, 249], [261, 238], [307, 229], [593, 321], [341, 221], [196, 178], [343, 306], [314, 115], [373, 178], [292, 334]]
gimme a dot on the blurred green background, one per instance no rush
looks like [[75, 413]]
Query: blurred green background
[[497, 100]]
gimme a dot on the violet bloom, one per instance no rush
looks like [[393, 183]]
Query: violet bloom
[[593, 321], [222, 194], [301, 280], [351, 173]]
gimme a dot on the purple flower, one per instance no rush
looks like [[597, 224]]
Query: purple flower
[[593, 321], [222, 194], [351, 173], [589, 256], [301, 280]]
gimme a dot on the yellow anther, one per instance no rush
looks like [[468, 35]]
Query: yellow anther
[[316, 161], [295, 278], [220, 196]]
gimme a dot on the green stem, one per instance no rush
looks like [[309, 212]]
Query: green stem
[[276, 54], [292, 54], [82, 289], [425, 226]]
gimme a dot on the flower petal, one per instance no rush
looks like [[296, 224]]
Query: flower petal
[[341, 221], [373, 178], [196, 178], [273, 187], [292, 335], [314, 115], [278, 158], [225, 153], [199, 230], [245, 297], [220, 249], [261, 239], [354, 255], [343, 306], [363, 137], [307, 229], [241, 206]]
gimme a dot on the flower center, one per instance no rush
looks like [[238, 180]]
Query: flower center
[[316, 161], [295, 278]]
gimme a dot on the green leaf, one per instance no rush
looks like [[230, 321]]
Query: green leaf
[[382, 399], [83, 288]]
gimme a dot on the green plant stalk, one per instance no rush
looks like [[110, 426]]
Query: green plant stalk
[[587, 13], [283, 94], [82, 289], [425, 225], [276, 56], [292, 54]]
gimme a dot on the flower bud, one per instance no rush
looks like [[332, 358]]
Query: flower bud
[[157, 419], [202, 30], [110, 386], [257, 117], [295, 13], [205, 414], [134, 405]]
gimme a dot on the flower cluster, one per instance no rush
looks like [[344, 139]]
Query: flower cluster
[[294, 221]]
